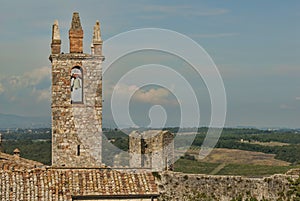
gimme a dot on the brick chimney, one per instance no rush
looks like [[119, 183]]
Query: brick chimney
[[76, 35], [17, 153]]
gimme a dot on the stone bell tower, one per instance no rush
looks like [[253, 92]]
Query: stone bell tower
[[76, 99]]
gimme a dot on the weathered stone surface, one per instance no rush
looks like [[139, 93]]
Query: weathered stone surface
[[76, 127], [152, 149], [97, 33], [190, 187], [56, 42], [76, 25], [76, 35], [97, 41], [55, 31]]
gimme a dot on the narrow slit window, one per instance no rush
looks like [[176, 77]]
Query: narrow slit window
[[76, 85], [78, 150]]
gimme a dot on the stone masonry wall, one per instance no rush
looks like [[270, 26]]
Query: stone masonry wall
[[135, 149], [196, 187], [151, 149], [76, 127], [161, 147]]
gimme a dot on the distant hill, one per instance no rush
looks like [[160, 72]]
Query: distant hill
[[15, 121]]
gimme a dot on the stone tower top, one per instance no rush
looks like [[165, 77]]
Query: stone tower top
[[76, 38], [55, 31], [56, 42], [76, 35], [76, 21], [97, 41], [97, 33]]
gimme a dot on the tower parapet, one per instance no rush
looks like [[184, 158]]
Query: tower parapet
[[97, 41], [76, 35], [56, 42]]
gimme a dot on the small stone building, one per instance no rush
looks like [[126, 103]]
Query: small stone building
[[153, 149]]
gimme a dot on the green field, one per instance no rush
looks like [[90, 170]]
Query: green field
[[196, 167], [191, 166]]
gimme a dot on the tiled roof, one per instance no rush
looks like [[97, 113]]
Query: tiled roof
[[14, 162], [63, 184]]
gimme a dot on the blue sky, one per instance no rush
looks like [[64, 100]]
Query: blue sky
[[255, 45]]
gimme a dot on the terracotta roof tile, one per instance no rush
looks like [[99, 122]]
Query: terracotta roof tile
[[62, 184], [11, 162]]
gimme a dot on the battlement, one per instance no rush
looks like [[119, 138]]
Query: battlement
[[76, 35]]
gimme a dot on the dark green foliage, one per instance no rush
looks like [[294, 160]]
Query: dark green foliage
[[117, 138], [114, 142], [156, 175], [34, 144], [188, 157], [190, 166], [34, 150]]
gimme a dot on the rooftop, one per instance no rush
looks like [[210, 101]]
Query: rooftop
[[66, 184]]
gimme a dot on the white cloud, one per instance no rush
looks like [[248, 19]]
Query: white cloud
[[298, 98], [14, 81], [35, 83], [157, 96], [1, 88], [153, 96], [42, 95], [30, 79]]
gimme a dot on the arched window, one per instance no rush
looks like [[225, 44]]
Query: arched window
[[76, 85]]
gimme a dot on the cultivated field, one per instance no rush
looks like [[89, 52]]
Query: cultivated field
[[235, 156]]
